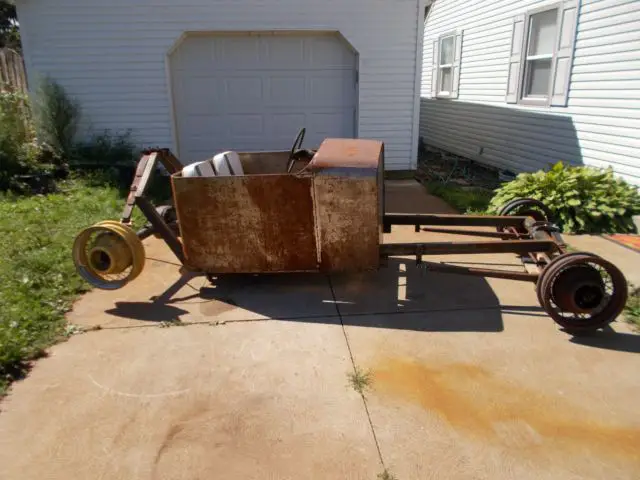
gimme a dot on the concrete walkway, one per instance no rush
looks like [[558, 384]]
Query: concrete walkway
[[470, 379], [626, 259]]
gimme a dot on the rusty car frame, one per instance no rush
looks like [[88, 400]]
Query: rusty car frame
[[324, 211]]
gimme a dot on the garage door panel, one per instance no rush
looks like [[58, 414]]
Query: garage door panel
[[281, 52], [285, 125], [198, 53], [255, 92], [286, 91], [237, 52], [244, 127], [205, 126], [242, 92], [189, 96], [332, 91]]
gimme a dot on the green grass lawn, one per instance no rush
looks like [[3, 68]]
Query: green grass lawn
[[471, 200], [38, 281], [632, 309]]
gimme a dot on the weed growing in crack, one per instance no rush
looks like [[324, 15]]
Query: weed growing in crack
[[171, 323], [359, 380], [386, 475]]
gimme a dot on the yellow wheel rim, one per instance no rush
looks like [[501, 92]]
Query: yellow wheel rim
[[137, 249], [125, 257]]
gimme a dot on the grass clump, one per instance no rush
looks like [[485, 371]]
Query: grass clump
[[38, 281], [359, 380], [386, 475]]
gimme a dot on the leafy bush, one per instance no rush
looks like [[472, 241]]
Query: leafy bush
[[20, 151], [582, 199], [14, 125], [106, 150], [57, 116]]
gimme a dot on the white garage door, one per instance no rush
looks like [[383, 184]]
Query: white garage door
[[255, 91]]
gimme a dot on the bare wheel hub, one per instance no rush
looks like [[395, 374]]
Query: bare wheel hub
[[578, 289]]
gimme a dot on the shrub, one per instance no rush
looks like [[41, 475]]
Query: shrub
[[106, 150], [582, 199], [15, 126], [57, 116], [20, 151]]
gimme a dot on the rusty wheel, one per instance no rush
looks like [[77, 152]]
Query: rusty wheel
[[526, 207], [582, 292], [540, 279], [169, 215]]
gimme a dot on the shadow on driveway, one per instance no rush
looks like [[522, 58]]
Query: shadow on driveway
[[400, 296], [608, 339]]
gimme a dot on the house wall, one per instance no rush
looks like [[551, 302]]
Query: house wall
[[600, 125], [111, 56]]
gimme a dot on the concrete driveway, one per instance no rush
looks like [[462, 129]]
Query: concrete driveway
[[248, 379]]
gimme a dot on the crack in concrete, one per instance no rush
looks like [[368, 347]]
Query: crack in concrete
[[355, 371]]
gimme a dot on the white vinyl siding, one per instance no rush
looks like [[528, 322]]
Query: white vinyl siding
[[600, 125], [111, 56]]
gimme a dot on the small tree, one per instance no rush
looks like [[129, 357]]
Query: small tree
[[57, 116], [9, 32]]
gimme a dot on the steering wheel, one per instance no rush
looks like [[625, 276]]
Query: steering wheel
[[297, 144]]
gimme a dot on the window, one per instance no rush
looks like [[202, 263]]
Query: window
[[540, 50], [446, 65], [541, 55], [445, 70]]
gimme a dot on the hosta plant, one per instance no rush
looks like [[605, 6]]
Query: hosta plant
[[582, 199]]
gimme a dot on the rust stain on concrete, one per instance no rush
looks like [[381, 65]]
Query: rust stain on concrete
[[473, 400]]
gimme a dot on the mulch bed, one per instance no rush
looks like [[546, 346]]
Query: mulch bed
[[436, 165], [631, 242]]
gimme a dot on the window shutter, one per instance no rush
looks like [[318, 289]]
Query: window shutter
[[434, 70], [517, 39], [568, 17], [456, 65]]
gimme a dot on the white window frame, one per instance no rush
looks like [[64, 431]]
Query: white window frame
[[540, 101], [445, 93]]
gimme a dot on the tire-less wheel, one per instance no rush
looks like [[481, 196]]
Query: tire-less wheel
[[525, 207], [108, 255], [582, 292]]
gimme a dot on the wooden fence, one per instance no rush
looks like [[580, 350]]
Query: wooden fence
[[12, 73]]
